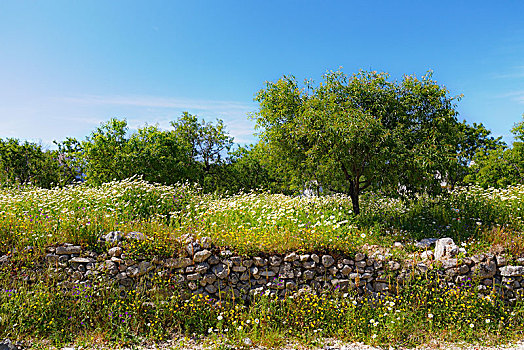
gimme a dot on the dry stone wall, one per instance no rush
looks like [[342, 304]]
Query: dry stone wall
[[205, 269]]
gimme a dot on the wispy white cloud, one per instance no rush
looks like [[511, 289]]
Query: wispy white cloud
[[154, 110], [514, 73], [517, 96]]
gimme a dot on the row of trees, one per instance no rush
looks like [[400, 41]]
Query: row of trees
[[347, 134]]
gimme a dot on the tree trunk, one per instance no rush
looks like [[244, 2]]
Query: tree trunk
[[354, 194]]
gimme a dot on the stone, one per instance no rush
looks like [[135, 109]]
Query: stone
[[346, 270], [115, 251], [268, 273], [444, 247], [202, 255], [309, 274], [113, 237], [427, 255], [7, 344], [291, 257], [512, 271], [221, 271], [82, 260], [501, 261], [275, 260], [201, 267], [247, 342], [192, 285], [449, 263], [485, 270], [359, 256], [327, 260], [304, 257], [177, 263], [393, 265], [259, 261], [144, 267], [193, 277], [315, 258], [209, 278], [308, 264], [380, 286], [51, 258], [135, 235], [73, 249], [426, 243], [239, 268], [398, 245], [360, 264]]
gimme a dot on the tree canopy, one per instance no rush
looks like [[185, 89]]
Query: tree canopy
[[360, 131]]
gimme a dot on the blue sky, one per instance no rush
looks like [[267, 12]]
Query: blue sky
[[67, 66]]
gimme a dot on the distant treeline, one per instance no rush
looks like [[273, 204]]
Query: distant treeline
[[347, 134]]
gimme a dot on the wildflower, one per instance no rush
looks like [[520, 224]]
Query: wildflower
[[471, 325], [220, 318], [363, 235], [488, 320], [430, 315]]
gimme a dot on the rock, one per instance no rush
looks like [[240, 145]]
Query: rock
[[268, 273], [177, 263], [315, 258], [144, 267], [201, 267], [501, 261], [73, 249], [259, 261], [82, 260], [512, 271], [192, 248], [359, 257], [193, 277], [135, 235], [327, 260], [275, 260], [211, 289], [113, 237], [291, 257], [445, 247], [449, 263], [426, 243], [239, 268], [427, 255], [398, 245], [115, 251], [304, 257], [221, 271], [485, 270], [7, 344], [309, 274], [346, 270], [393, 265], [247, 342], [4, 258], [202, 255], [308, 264]]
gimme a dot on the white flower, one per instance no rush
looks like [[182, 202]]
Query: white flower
[[363, 235], [210, 330], [488, 320], [373, 336], [239, 328], [430, 315], [220, 318], [256, 320], [471, 325]]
